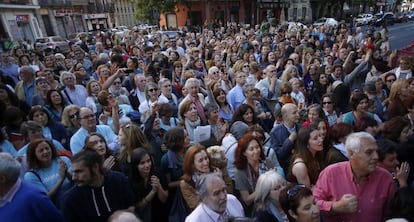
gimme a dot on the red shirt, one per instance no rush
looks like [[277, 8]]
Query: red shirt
[[373, 195]]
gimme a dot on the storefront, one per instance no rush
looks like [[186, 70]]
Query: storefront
[[19, 22], [96, 21]]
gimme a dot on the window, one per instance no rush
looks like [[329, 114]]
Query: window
[[304, 11]]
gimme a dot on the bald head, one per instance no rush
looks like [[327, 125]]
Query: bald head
[[290, 114], [270, 71]]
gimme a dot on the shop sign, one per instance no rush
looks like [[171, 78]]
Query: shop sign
[[22, 18]]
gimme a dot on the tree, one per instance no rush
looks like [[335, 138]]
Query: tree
[[146, 8]]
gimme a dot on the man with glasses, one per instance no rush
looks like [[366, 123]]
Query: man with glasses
[[174, 47], [88, 125], [355, 190]]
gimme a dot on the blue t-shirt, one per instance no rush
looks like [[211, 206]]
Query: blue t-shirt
[[8, 147], [50, 176]]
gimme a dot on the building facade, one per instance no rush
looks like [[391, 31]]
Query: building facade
[[31, 19], [249, 12]]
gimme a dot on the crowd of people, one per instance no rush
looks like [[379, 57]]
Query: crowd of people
[[250, 124]]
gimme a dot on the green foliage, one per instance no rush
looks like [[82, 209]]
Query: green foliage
[[145, 8]]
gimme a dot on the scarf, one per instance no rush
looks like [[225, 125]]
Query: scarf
[[196, 176], [190, 126], [286, 100]]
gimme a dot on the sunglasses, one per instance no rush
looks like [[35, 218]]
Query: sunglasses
[[390, 80], [152, 90], [75, 115], [246, 66], [294, 190], [325, 103]]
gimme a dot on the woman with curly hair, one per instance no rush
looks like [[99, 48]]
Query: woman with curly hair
[[48, 171], [96, 142], [55, 104], [399, 98], [246, 114]]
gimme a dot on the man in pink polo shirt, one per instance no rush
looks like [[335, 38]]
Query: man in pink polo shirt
[[355, 190]]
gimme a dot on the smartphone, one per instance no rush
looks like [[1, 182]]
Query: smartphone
[[126, 70]]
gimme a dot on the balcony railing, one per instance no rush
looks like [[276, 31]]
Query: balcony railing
[[55, 2], [18, 2]]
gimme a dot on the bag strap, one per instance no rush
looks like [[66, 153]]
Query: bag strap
[[228, 148], [66, 93], [268, 152], [38, 177]]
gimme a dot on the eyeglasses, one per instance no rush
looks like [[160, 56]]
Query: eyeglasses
[[179, 67], [73, 116], [117, 83], [390, 80], [68, 78], [294, 190], [167, 86], [152, 90], [88, 116], [328, 102]]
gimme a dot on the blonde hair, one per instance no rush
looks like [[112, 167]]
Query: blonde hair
[[214, 152], [396, 88]]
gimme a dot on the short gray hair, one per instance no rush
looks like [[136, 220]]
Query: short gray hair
[[203, 181], [9, 167], [265, 184], [353, 141], [190, 81], [162, 81], [66, 73], [246, 88], [27, 69]]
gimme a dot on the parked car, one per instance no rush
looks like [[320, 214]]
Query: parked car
[[296, 25], [75, 37], [363, 19], [326, 22], [401, 17], [171, 34], [410, 15], [57, 43], [380, 18]]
